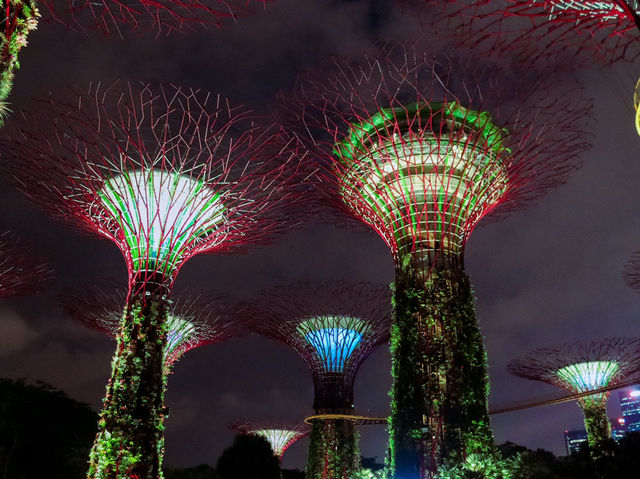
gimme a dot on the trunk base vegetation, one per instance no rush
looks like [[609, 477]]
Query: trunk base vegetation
[[129, 443], [333, 450], [439, 408]]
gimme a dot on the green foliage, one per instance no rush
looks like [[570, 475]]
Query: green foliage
[[333, 450], [365, 473], [249, 457], [440, 381], [481, 466], [43, 433], [597, 425], [23, 18], [130, 432], [617, 460]]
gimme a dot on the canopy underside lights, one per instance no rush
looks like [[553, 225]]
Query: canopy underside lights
[[334, 339], [588, 376], [430, 183], [159, 212]]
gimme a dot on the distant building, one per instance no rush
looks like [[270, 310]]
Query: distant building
[[575, 438], [618, 428], [630, 405]]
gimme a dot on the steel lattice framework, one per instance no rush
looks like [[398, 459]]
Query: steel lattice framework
[[280, 434], [582, 367], [20, 272], [334, 327], [607, 29], [161, 16], [631, 272], [421, 149], [192, 322], [165, 173]]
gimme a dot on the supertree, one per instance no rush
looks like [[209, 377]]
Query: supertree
[[192, 321], [333, 327], [631, 271], [161, 16], [20, 272], [583, 367], [578, 31], [406, 143], [19, 17], [165, 173], [606, 28], [280, 434]]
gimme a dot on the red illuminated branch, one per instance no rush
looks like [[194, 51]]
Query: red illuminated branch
[[164, 172], [606, 29], [20, 272], [192, 322], [280, 434], [631, 272], [543, 364], [584, 367], [162, 16], [333, 326], [356, 117]]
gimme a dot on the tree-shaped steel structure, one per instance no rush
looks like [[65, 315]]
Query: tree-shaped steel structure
[[631, 271], [562, 32], [160, 16], [606, 28], [280, 434], [334, 327], [19, 17], [192, 321], [20, 272], [408, 144], [165, 173], [583, 367]]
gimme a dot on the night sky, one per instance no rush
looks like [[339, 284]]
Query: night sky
[[545, 276]]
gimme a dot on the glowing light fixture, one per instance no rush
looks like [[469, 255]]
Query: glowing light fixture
[[159, 212], [431, 182], [333, 341], [280, 439], [590, 375]]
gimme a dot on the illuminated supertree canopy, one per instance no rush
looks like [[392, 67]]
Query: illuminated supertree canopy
[[421, 149], [191, 322], [334, 327], [20, 271], [631, 272], [280, 434], [604, 28], [160, 16], [583, 367], [165, 173]]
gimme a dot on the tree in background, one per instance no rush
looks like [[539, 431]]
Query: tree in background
[[249, 457], [43, 432]]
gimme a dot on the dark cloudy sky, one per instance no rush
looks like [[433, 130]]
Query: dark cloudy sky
[[545, 276]]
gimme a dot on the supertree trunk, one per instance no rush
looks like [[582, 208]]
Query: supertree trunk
[[333, 450], [130, 437], [597, 425], [435, 333]]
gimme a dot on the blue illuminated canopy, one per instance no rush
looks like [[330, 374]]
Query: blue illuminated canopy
[[334, 338]]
